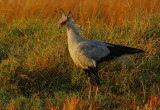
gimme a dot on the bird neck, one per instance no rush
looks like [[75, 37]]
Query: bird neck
[[73, 35]]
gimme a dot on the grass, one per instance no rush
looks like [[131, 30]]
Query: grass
[[36, 71]]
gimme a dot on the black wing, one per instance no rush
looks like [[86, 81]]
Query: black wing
[[119, 50]]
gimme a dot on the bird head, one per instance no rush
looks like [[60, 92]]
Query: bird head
[[64, 19]]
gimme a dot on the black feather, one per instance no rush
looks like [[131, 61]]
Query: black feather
[[119, 50]]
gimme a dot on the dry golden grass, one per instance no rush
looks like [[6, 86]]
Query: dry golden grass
[[37, 51], [75, 103], [152, 104], [111, 12]]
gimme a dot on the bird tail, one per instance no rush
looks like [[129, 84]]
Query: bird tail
[[123, 49], [118, 51], [130, 50]]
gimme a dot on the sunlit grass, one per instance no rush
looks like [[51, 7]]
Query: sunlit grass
[[36, 71]]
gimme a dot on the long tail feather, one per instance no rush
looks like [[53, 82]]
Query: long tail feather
[[123, 49], [119, 50]]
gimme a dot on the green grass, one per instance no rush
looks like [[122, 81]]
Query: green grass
[[36, 71]]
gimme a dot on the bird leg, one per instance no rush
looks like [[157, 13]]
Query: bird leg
[[97, 79], [93, 70], [90, 88], [97, 88], [90, 80]]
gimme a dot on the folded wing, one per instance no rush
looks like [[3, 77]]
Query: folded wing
[[94, 49]]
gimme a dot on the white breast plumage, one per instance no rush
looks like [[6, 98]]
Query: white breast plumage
[[80, 59]]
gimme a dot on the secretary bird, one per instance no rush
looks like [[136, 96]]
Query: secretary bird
[[87, 53]]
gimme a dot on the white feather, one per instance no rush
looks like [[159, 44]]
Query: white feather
[[84, 52]]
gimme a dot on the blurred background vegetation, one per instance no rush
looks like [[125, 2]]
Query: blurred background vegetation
[[36, 71]]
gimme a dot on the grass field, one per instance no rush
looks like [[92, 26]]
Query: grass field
[[36, 71]]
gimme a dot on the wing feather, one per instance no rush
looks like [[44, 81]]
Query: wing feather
[[94, 49]]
